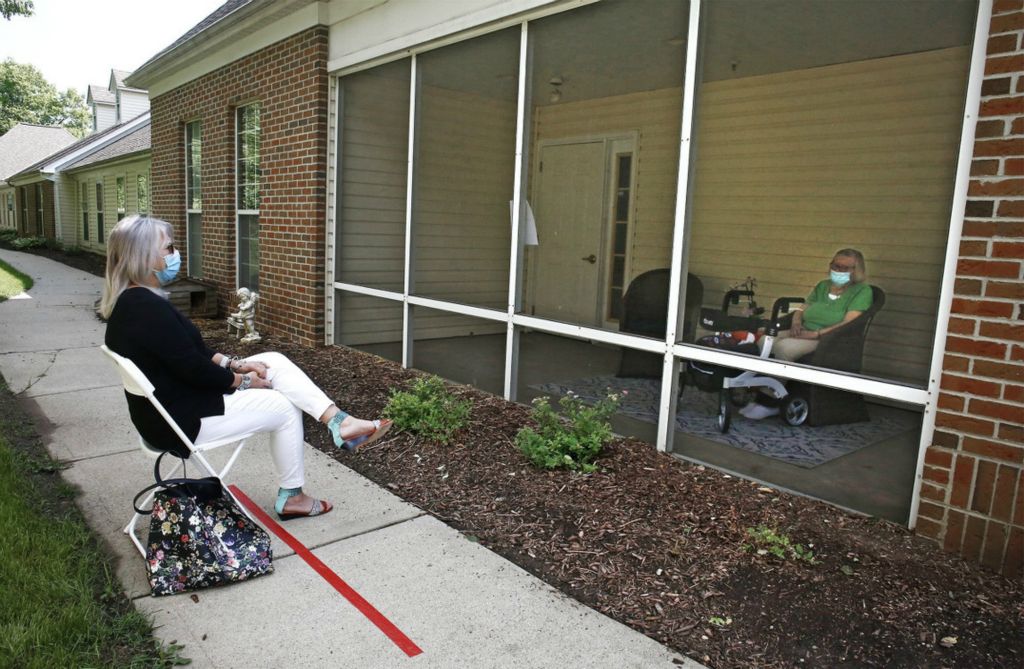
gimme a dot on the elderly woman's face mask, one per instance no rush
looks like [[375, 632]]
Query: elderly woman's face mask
[[173, 261], [841, 270]]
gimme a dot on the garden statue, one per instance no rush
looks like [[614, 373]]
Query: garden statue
[[243, 320]]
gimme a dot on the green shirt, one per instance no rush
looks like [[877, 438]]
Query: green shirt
[[822, 311]]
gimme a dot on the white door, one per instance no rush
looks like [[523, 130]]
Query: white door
[[569, 208]]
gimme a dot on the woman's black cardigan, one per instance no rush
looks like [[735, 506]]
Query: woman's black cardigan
[[145, 328]]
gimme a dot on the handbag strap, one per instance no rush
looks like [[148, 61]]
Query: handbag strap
[[164, 483]]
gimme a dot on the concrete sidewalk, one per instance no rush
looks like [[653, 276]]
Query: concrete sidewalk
[[463, 605]]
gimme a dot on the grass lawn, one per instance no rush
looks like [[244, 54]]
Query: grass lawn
[[60, 605], [12, 282]]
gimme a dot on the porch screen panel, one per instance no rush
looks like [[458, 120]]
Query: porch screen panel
[[459, 348], [373, 166], [605, 108], [825, 126], [463, 171], [370, 324]]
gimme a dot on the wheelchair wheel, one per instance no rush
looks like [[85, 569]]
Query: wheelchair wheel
[[795, 410], [724, 410]]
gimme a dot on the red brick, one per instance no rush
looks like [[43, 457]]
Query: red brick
[[1013, 393], [995, 228], [996, 187], [955, 363], [1011, 433], [966, 424], [938, 458], [994, 449], [936, 475], [1013, 559], [941, 439], [981, 208], [933, 491], [1006, 23], [963, 478], [951, 402], [995, 543], [953, 540], [1011, 208], [998, 370], [1017, 353], [1006, 412], [983, 168], [989, 268], [1005, 331], [976, 347], [1013, 166], [1011, 291], [982, 308], [1017, 125], [990, 128], [1008, 250], [928, 528], [1006, 486], [1005, 65], [986, 148], [1005, 6], [1001, 44], [984, 485], [973, 247], [963, 384], [1000, 86], [974, 537], [962, 326], [968, 287], [931, 511]]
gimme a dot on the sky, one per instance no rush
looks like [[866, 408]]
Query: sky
[[75, 43]]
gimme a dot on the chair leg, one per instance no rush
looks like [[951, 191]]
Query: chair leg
[[222, 475]]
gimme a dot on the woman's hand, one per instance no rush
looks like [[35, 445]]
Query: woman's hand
[[259, 381], [796, 328], [246, 366]]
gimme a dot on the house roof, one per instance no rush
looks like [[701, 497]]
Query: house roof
[[135, 141], [95, 138], [26, 143], [101, 95], [117, 79]]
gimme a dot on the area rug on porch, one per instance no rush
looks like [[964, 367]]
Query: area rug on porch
[[803, 446]]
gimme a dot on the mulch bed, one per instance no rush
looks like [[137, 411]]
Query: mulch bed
[[659, 544]]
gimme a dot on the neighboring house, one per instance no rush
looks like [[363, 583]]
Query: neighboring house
[[88, 186], [28, 209], [357, 163], [83, 221]]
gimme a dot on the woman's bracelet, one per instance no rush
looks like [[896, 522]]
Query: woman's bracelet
[[224, 361], [246, 382]]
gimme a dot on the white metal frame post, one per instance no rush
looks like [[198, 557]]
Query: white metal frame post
[[670, 364], [515, 264], [956, 226], [335, 119], [407, 317]]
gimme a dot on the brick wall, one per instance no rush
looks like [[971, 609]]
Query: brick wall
[[289, 80], [972, 498]]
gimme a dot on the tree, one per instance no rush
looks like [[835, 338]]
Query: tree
[[27, 97], [9, 8]]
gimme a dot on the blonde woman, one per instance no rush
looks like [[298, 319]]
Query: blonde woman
[[833, 303], [208, 394]]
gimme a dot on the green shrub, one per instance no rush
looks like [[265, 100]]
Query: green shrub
[[7, 235], [22, 243], [573, 442], [428, 410]]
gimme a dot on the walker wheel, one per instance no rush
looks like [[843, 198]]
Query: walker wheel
[[795, 410], [724, 410]]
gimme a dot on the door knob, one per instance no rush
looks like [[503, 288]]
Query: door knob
[[590, 259]]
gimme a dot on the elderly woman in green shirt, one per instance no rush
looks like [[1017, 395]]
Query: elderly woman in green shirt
[[833, 303]]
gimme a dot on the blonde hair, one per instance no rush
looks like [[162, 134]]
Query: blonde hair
[[860, 271], [133, 249]]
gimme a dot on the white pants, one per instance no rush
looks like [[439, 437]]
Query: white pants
[[790, 348], [277, 411]]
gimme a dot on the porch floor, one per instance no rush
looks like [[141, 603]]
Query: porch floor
[[876, 479]]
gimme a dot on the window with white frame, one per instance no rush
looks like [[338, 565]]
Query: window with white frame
[[120, 198], [99, 211], [194, 197], [247, 200], [142, 192], [83, 189]]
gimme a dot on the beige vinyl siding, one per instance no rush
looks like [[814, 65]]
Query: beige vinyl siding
[[793, 166], [71, 208], [132, 104], [66, 188]]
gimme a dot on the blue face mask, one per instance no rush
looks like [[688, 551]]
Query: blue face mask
[[839, 278], [173, 265]]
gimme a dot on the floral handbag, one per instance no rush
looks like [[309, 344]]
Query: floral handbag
[[198, 537]]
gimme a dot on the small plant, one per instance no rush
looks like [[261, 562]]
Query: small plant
[[767, 541], [7, 235], [573, 442], [719, 621], [428, 409], [22, 243]]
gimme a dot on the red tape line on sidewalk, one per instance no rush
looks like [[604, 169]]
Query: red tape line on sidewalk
[[354, 598]]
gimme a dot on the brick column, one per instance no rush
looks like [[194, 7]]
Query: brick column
[[972, 498]]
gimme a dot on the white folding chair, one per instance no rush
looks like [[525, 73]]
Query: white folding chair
[[136, 383]]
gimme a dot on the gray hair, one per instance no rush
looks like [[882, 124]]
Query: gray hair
[[860, 272], [133, 249]]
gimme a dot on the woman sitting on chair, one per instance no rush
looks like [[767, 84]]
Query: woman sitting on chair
[[211, 396], [833, 303]]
